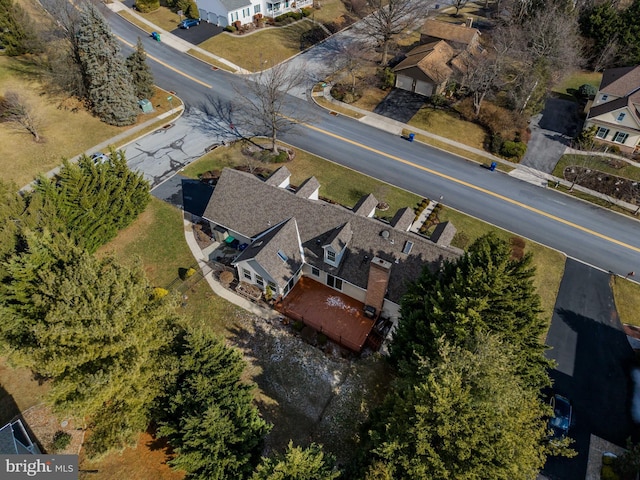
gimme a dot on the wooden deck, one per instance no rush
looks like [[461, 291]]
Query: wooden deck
[[330, 312]]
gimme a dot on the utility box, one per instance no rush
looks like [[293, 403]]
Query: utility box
[[146, 106]]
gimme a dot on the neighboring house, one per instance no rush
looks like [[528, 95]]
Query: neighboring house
[[14, 440], [615, 111], [227, 12], [291, 233], [427, 68]]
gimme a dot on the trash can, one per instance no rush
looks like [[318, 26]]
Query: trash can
[[411, 137], [493, 166], [146, 106], [155, 36]]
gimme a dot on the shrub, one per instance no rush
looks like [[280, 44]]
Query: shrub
[[226, 278], [281, 157], [307, 11], [495, 143], [61, 440], [322, 339], [298, 325], [513, 149], [146, 6], [607, 473], [387, 78], [190, 272], [230, 28], [587, 91], [160, 292]]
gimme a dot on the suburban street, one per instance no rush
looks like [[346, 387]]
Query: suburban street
[[592, 353]]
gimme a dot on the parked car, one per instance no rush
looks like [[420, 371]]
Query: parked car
[[99, 157], [189, 22], [560, 422]]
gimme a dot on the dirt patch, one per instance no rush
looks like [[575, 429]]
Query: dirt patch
[[44, 424], [617, 187], [309, 394]]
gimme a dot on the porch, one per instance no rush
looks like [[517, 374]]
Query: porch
[[338, 316]]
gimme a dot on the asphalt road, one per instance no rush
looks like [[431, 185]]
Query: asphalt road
[[593, 362]]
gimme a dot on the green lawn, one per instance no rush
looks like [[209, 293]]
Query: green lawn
[[275, 45], [627, 297], [608, 165], [572, 82]]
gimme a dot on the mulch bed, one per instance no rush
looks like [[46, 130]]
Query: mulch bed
[[617, 187]]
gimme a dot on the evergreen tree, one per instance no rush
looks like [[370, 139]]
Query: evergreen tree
[[17, 32], [91, 202], [107, 81], [140, 72], [465, 415], [95, 329], [11, 208], [209, 417], [298, 464], [630, 51], [484, 290]]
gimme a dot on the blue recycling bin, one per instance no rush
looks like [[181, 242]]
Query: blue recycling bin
[[155, 36], [493, 166], [411, 136]]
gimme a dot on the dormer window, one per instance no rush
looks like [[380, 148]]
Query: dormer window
[[604, 98], [331, 256], [621, 116]]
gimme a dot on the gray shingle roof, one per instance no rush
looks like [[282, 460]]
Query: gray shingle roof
[[279, 176], [7, 442], [232, 5], [339, 237], [620, 81], [365, 205], [246, 204], [308, 187], [449, 31], [403, 219], [283, 238]]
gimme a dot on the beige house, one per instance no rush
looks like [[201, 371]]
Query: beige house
[[428, 67], [615, 111]]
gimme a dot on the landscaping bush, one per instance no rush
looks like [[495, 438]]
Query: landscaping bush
[[513, 149], [322, 339], [230, 28], [146, 6], [387, 78], [495, 143], [61, 440], [307, 11], [298, 325], [587, 91], [160, 292]]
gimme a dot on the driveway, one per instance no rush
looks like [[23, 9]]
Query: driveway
[[199, 33], [593, 362], [551, 132], [400, 105]]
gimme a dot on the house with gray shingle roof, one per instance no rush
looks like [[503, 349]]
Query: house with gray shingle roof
[[615, 111], [227, 12], [290, 236], [15, 440]]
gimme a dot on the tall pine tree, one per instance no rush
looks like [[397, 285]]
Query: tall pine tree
[[465, 414], [486, 290], [17, 31], [140, 72], [108, 83], [298, 463], [95, 329], [209, 417]]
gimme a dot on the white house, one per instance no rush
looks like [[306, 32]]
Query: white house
[[616, 109], [226, 12]]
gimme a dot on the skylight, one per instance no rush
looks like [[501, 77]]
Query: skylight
[[282, 256], [407, 247]]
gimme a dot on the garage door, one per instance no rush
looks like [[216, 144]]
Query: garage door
[[424, 88], [404, 82]]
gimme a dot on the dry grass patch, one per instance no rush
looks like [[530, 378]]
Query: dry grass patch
[[276, 45], [449, 125], [626, 294], [18, 391], [163, 17]]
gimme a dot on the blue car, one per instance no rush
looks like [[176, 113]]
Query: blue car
[[189, 22], [561, 421]]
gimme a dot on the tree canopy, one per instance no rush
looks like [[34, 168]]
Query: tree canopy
[[94, 328], [108, 83], [465, 415], [486, 290], [140, 72], [209, 417], [298, 463]]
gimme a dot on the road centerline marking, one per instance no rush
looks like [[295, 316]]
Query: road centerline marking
[[475, 187]]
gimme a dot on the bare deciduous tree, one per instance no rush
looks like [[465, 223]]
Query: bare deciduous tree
[[263, 107], [350, 59], [459, 5], [18, 112], [390, 18]]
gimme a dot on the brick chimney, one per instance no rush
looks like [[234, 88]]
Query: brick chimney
[[379, 272]]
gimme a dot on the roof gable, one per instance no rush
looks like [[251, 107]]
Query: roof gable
[[620, 82], [449, 31], [431, 59]]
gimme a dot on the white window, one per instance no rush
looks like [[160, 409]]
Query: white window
[[246, 274], [234, 16], [259, 280], [256, 9], [331, 255], [315, 271], [602, 132], [334, 282], [620, 137], [621, 116], [604, 98], [273, 286]]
